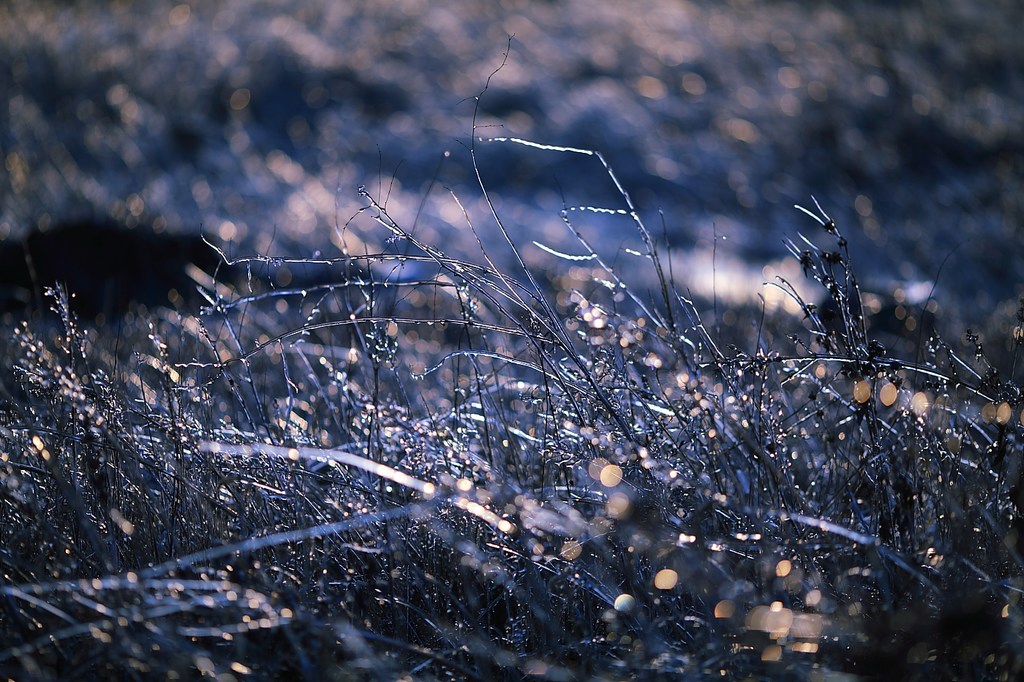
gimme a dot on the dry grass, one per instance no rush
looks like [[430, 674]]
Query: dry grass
[[430, 468]]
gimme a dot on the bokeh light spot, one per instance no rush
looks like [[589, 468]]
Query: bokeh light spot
[[862, 391], [888, 394], [666, 579], [611, 475], [625, 603]]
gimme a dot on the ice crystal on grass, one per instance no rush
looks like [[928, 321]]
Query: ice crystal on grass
[[475, 473]]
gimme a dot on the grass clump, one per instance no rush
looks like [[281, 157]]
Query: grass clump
[[434, 468]]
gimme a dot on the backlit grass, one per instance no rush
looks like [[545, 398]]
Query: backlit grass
[[432, 468]]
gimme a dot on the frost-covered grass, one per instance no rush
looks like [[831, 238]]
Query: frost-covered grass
[[431, 468]]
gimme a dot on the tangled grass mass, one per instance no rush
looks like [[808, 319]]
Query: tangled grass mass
[[417, 466]]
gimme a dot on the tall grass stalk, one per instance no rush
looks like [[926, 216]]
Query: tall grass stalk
[[478, 473]]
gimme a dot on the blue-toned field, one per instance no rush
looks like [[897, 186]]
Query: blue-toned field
[[485, 341]]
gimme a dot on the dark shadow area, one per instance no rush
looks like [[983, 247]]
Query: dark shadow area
[[106, 268]]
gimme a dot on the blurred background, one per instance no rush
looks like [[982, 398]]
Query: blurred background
[[254, 122]]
